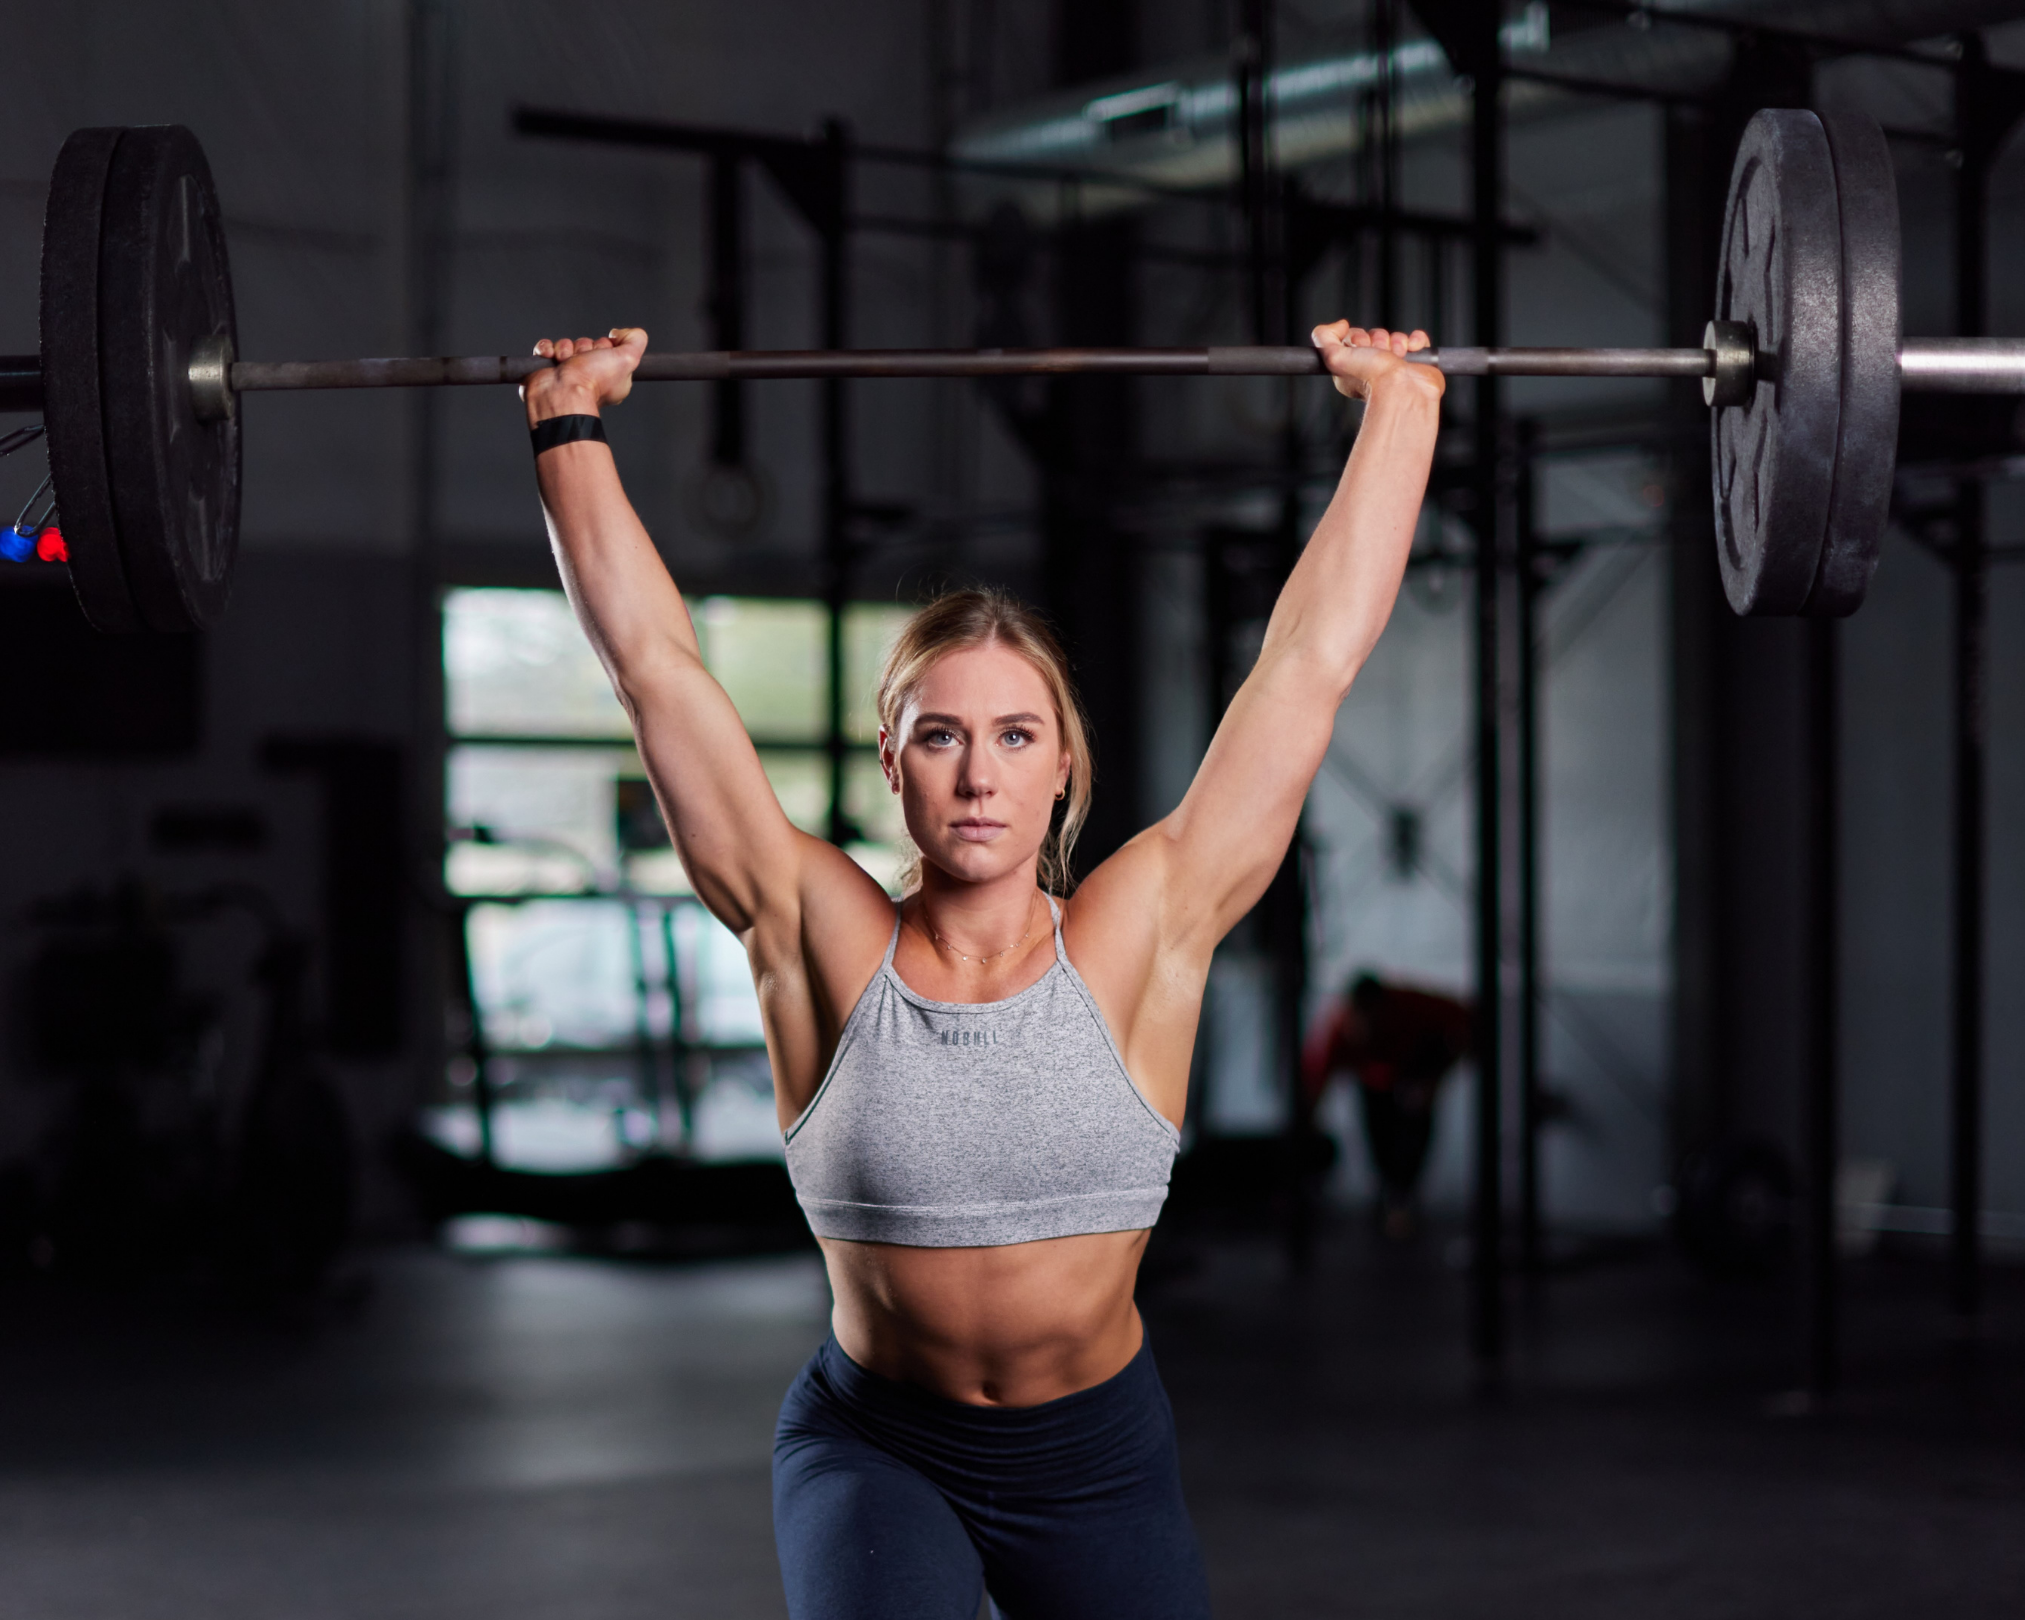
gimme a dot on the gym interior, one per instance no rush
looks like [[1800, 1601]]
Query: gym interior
[[393, 1218]]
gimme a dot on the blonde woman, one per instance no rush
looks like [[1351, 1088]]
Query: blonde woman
[[981, 1086]]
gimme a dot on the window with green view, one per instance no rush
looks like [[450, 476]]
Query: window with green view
[[616, 1016]]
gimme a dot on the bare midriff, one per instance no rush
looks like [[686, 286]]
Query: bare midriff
[[1009, 1326]]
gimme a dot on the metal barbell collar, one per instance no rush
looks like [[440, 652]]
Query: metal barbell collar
[[212, 395]]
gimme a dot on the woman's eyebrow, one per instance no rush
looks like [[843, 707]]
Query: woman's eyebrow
[[955, 722]]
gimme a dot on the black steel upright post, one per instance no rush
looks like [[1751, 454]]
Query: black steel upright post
[[1972, 607], [1384, 45], [1965, 1182], [682, 1055], [430, 224], [1086, 445], [1487, 1333], [1270, 299], [1255, 169], [1276, 280], [1821, 1123], [837, 558], [1527, 633], [646, 1055], [727, 302], [1468, 32]]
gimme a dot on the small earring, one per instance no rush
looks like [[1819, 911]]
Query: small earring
[[1061, 793]]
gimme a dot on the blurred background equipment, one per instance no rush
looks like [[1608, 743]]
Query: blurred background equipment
[[162, 1158]]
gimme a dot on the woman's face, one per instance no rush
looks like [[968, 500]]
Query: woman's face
[[977, 761]]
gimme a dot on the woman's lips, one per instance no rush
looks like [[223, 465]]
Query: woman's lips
[[977, 830]]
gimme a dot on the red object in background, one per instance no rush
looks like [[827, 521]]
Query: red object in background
[[49, 546]]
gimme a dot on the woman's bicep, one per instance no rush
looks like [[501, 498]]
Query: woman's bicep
[[1232, 829], [724, 819]]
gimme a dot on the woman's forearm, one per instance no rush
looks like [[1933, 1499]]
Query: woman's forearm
[[1340, 593], [621, 589], [617, 582]]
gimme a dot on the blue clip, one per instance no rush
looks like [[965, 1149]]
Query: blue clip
[[17, 544]]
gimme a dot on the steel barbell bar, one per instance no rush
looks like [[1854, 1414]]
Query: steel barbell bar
[[247, 376], [1729, 364], [1925, 365], [216, 378]]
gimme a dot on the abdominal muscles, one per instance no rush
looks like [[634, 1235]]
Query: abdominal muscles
[[1008, 1326]]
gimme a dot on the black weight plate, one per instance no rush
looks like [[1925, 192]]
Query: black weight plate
[[70, 381], [164, 285], [1866, 439], [1781, 275]]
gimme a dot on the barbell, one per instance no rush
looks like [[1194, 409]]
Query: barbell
[[139, 379]]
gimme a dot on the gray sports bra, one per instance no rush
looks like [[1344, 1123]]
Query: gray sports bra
[[945, 1124]]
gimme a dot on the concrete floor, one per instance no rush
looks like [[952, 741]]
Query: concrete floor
[[547, 1437]]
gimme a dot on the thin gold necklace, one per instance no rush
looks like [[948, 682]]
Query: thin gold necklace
[[995, 955]]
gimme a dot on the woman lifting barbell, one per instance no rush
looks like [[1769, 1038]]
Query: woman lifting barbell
[[981, 1086]]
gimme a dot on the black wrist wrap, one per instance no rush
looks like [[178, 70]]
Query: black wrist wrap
[[555, 430]]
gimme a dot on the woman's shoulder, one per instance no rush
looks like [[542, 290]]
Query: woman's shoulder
[[1129, 885], [1116, 918]]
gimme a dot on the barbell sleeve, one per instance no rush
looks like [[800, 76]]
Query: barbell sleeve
[[1962, 366]]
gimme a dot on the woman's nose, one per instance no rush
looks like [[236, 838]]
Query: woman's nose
[[973, 775]]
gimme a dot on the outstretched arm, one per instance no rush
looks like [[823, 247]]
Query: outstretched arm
[[1210, 860], [740, 850]]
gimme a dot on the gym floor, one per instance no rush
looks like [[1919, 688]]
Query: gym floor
[[540, 1437]]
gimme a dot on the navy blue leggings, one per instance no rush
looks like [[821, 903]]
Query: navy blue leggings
[[890, 1503]]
